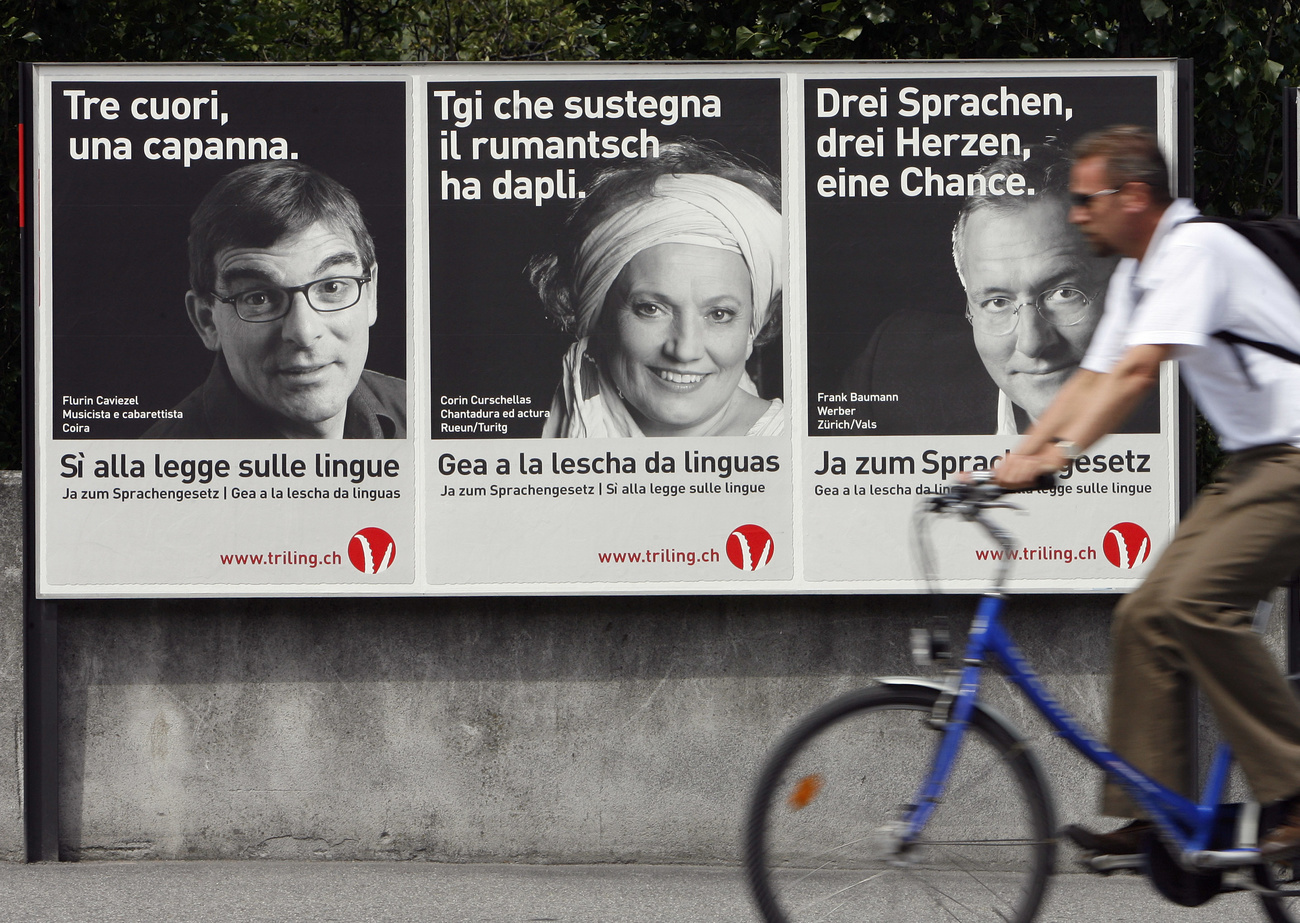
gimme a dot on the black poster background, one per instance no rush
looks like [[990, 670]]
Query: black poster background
[[868, 258], [119, 227], [489, 333]]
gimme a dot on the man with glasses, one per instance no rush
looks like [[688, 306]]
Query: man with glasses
[[1033, 296], [1033, 292], [283, 290], [1179, 287]]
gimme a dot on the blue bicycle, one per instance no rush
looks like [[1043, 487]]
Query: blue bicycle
[[914, 801]]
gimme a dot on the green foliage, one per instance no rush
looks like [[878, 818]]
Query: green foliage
[[469, 30], [1209, 455]]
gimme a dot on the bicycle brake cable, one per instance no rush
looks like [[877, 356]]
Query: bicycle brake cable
[[923, 548]]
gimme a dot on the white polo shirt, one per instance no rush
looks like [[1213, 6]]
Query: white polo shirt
[[1194, 280]]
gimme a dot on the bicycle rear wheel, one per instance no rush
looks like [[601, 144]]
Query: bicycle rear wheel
[[820, 841], [1284, 878]]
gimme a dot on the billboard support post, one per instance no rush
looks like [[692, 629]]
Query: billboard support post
[[41, 731], [40, 796], [1290, 206]]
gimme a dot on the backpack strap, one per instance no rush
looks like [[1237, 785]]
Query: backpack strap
[[1233, 339]]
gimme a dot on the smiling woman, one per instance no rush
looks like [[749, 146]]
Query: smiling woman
[[672, 272]]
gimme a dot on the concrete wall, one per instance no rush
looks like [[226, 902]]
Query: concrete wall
[[538, 730], [564, 730]]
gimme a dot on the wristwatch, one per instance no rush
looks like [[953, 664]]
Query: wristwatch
[[1069, 450]]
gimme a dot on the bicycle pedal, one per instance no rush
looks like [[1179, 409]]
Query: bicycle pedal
[[1109, 865]]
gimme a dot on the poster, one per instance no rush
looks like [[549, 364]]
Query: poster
[[611, 328], [949, 299], [166, 193], [641, 440]]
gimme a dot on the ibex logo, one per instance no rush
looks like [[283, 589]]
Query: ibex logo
[[371, 551], [1126, 545], [749, 547]]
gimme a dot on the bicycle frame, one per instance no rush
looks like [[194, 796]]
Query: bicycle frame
[[1186, 824]]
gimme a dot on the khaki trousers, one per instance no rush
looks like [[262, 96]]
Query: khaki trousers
[[1191, 621]]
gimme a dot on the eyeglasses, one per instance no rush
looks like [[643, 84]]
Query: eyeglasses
[[1062, 306], [272, 302], [1084, 199]]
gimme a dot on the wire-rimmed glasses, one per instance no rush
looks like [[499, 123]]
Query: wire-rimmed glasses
[[1060, 306]]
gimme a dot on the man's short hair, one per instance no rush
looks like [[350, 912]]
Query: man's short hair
[[1046, 169], [1132, 155], [258, 204]]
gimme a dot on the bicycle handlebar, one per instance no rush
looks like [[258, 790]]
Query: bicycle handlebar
[[968, 498]]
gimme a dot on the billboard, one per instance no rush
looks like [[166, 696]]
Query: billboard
[[607, 328]]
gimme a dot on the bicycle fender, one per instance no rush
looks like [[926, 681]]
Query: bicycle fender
[[993, 715]]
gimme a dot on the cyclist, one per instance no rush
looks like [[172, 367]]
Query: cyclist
[[1178, 285]]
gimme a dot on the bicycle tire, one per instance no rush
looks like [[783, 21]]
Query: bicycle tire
[[813, 844], [1283, 877]]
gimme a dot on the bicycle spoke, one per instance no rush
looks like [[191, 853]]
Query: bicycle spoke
[[845, 889], [826, 866], [1009, 842], [934, 889], [979, 882]]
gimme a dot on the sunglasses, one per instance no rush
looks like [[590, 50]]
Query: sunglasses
[[1084, 199]]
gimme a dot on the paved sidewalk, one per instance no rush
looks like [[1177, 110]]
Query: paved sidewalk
[[253, 891]]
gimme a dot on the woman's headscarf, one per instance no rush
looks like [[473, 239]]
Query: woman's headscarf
[[691, 208]]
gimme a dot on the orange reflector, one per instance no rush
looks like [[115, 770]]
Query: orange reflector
[[804, 791]]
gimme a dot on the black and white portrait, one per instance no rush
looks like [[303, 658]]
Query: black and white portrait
[[607, 258], [235, 269], [948, 293], [671, 273], [1033, 295], [283, 292]]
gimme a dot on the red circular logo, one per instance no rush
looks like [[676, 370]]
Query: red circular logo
[[749, 547], [371, 551], [1126, 545]]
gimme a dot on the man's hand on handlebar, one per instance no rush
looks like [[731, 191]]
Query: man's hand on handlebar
[[1019, 472], [1023, 472]]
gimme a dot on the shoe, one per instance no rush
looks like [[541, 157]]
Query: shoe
[[1283, 841], [1125, 841]]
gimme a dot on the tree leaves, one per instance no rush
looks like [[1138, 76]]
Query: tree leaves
[[1154, 9]]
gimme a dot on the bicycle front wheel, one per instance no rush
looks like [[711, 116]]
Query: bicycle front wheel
[[822, 837]]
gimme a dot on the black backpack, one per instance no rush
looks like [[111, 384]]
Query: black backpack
[[1279, 240]]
